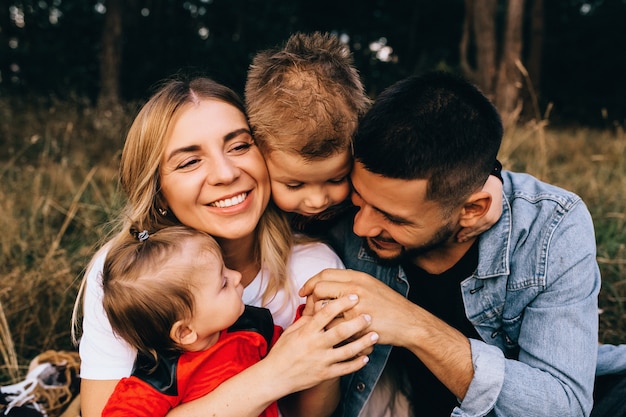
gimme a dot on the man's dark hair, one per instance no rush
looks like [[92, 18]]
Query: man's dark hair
[[437, 127]]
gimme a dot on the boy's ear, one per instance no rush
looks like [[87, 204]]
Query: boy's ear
[[475, 207], [182, 334]]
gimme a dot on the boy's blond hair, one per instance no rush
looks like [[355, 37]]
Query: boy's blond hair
[[305, 97]]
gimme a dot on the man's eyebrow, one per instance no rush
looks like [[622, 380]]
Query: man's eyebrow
[[389, 216], [194, 148]]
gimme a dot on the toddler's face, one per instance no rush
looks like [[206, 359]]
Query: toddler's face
[[308, 187], [217, 292]]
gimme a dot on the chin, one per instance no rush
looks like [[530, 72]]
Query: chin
[[385, 257]]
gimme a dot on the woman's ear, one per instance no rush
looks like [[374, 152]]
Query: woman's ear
[[475, 208], [182, 334]]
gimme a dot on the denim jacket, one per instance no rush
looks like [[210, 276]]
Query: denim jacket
[[532, 299]]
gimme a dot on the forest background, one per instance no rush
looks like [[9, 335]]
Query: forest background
[[74, 72]]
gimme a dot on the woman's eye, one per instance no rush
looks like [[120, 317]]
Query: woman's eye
[[188, 163], [241, 147]]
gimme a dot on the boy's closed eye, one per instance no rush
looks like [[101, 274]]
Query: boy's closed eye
[[294, 186], [339, 180]]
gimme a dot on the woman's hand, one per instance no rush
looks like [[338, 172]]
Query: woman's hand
[[308, 353], [303, 357]]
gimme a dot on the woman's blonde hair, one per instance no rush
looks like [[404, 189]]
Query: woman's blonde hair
[[139, 178]]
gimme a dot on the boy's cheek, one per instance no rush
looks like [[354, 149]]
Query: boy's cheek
[[282, 200]]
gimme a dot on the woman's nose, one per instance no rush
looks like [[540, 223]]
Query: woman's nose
[[221, 171]]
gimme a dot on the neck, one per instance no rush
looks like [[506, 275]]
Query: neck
[[239, 254], [441, 259]]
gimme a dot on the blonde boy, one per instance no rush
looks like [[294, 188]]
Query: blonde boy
[[304, 100]]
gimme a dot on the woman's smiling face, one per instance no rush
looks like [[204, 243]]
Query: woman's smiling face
[[212, 175]]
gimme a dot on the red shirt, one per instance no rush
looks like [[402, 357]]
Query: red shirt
[[185, 376]]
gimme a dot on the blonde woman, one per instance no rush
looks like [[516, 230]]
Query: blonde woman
[[190, 159]]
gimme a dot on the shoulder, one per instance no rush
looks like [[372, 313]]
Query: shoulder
[[307, 255], [160, 376], [308, 259], [94, 269], [103, 354], [256, 320], [525, 189]]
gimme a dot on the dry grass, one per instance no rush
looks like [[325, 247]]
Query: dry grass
[[591, 163], [59, 188], [58, 168]]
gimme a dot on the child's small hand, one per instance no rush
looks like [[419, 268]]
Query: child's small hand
[[494, 187]]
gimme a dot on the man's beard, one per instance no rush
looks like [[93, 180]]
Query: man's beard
[[439, 239]]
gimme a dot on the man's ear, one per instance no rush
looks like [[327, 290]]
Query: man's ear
[[475, 208], [182, 334]]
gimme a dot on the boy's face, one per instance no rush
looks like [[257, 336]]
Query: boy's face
[[308, 187]]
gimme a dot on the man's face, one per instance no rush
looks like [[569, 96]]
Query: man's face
[[396, 219]]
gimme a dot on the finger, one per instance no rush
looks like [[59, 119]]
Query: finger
[[346, 367], [328, 290], [310, 307], [367, 351], [338, 320], [345, 332], [325, 275], [301, 322], [319, 304], [354, 348], [324, 316]]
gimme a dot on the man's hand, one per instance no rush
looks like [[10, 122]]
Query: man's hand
[[387, 308]]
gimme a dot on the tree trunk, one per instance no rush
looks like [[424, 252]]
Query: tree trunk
[[509, 80], [464, 45], [111, 57], [535, 52], [486, 45]]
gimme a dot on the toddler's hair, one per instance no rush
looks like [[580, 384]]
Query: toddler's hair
[[147, 286]]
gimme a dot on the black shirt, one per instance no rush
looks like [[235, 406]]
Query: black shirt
[[441, 295]]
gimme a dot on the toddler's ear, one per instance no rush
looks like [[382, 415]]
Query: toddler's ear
[[182, 334]]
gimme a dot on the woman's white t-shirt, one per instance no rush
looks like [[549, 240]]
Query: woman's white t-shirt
[[104, 356]]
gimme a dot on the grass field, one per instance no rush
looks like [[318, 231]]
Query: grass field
[[58, 176]]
